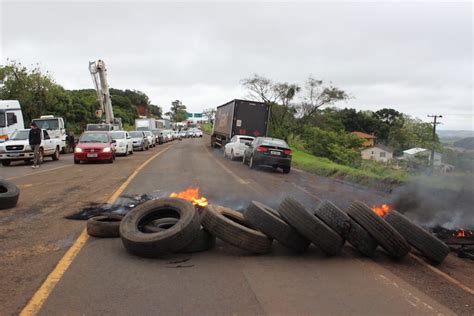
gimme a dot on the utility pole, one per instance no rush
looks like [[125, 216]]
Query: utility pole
[[435, 122]]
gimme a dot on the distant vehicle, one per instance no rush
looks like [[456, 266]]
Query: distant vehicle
[[197, 133], [189, 134], [267, 151], [123, 142], [163, 124], [55, 127], [239, 117], [167, 135], [17, 147], [151, 138], [158, 136], [145, 124], [235, 148], [11, 118], [101, 127], [182, 134], [140, 140], [95, 146]]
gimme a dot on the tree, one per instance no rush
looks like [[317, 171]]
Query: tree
[[178, 111], [209, 113], [317, 95]]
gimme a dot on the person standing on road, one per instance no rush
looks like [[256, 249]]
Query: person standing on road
[[34, 138]]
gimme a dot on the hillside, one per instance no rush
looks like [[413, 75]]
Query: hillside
[[466, 143]]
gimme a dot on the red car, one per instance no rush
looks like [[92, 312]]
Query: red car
[[95, 146]]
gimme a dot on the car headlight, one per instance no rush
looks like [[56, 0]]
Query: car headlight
[[2, 149], [106, 150], [78, 150], [27, 148]]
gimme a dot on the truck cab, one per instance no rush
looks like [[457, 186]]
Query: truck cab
[[55, 127], [17, 147], [11, 118]]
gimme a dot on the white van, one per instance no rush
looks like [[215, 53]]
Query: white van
[[11, 118]]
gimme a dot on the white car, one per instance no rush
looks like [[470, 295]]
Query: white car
[[151, 138], [198, 133], [124, 143], [17, 147], [235, 148]]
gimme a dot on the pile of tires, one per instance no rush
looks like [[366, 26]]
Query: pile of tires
[[171, 225]]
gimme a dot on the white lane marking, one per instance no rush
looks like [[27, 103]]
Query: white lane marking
[[236, 177]]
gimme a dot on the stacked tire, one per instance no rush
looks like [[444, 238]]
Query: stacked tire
[[9, 194]]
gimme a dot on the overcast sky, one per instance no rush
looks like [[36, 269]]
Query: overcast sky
[[416, 58]]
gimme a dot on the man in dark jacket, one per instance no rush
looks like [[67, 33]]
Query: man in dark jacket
[[34, 138]]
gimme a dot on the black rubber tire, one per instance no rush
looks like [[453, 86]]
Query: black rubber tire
[[104, 226], [430, 246], [386, 236], [9, 194], [164, 242], [204, 240], [6, 163], [76, 162], [217, 221], [55, 156], [286, 170], [311, 227], [265, 219], [345, 226]]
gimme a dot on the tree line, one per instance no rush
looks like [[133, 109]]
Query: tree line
[[305, 116], [39, 94]]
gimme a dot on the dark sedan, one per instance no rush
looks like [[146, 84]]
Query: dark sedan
[[267, 151]]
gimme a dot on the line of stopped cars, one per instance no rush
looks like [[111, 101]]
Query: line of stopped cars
[[259, 151], [106, 145]]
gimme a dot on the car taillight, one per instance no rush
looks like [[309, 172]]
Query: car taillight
[[288, 152], [261, 149]]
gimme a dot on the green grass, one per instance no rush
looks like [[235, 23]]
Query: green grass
[[370, 173], [207, 128]]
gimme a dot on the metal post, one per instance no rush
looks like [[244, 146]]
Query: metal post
[[435, 117]]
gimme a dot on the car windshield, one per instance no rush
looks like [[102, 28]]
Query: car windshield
[[117, 135], [20, 135], [2, 119], [273, 142], [94, 138], [136, 134], [49, 124]]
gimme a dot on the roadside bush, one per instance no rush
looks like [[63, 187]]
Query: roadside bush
[[344, 155], [295, 141]]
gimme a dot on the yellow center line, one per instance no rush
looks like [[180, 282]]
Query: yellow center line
[[38, 299]]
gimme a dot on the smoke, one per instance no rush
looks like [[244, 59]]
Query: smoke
[[450, 206]]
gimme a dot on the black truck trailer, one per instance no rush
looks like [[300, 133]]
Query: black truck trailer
[[239, 117]]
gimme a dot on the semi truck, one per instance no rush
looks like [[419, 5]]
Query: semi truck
[[239, 117], [11, 118]]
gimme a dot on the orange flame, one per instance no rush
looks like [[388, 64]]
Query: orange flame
[[382, 210], [192, 195], [460, 233]]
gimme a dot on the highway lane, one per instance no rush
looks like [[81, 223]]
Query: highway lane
[[104, 279]]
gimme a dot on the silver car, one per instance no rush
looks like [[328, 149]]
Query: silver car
[[140, 140]]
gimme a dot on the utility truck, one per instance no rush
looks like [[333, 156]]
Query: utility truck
[[98, 72], [239, 117], [55, 127], [11, 118]]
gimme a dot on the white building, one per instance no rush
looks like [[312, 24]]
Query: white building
[[422, 153], [378, 153]]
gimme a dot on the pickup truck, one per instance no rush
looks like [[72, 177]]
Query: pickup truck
[[17, 147]]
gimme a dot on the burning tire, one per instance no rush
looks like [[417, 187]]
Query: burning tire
[[430, 246], [9, 194], [269, 222], [310, 226], [156, 244], [390, 240], [231, 227], [104, 226], [204, 240], [357, 236]]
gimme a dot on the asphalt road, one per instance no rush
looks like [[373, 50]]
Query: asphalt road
[[105, 279]]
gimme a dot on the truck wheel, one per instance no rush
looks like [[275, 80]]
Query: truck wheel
[[173, 239], [268, 221], [310, 226], [55, 156], [430, 246], [338, 220], [388, 237], [217, 221], [286, 169], [104, 226], [9, 194], [6, 163]]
